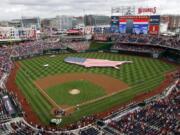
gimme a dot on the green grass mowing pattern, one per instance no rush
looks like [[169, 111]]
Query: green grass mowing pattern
[[33, 96], [88, 91], [114, 100], [146, 70], [58, 66]]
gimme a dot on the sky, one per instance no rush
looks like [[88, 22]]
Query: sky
[[14, 9]]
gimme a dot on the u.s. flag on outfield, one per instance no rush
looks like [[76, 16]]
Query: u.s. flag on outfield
[[86, 62]]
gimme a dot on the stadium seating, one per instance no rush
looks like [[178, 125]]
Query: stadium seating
[[78, 45], [163, 41], [89, 131], [158, 117], [145, 49]]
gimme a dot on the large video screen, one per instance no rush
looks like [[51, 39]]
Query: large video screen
[[140, 29], [134, 24], [122, 25], [122, 28]]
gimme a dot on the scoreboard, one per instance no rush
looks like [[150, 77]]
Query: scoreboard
[[135, 24]]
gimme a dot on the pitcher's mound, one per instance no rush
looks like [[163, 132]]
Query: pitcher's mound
[[74, 92]]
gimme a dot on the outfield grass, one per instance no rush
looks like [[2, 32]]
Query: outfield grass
[[143, 75], [88, 91]]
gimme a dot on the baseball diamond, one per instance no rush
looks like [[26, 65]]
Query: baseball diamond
[[47, 88]]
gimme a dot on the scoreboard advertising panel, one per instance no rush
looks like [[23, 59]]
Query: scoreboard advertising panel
[[115, 24], [154, 23]]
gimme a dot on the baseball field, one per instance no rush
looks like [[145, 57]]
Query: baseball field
[[62, 85]]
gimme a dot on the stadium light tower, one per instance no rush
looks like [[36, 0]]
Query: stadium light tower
[[84, 21]]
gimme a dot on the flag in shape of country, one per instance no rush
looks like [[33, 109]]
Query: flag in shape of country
[[88, 62]]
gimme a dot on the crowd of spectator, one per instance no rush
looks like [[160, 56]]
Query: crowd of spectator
[[78, 45], [145, 49], [159, 116], [155, 40], [35, 47], [101, 37]]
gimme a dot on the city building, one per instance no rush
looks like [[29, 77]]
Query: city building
[[16, 34], [4, 24], [78, 22], [9, 33], [31, 22], [45, 23], [27, 33], [173, 21], [62, 23], [15, 23], [94, 20]]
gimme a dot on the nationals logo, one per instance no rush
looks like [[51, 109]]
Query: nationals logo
[[147, 10]]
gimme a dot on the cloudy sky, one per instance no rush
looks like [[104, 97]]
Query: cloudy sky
[[12, 9]]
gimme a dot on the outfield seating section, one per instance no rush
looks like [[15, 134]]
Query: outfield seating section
[[163, 41]]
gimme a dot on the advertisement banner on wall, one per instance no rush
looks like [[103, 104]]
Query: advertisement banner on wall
[[114, 24], [115, 20], [154, 19], [114, 28], [147, 10], [154, 24], [154, 29]]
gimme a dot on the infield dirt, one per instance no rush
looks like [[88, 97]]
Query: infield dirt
[[109, 84]]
